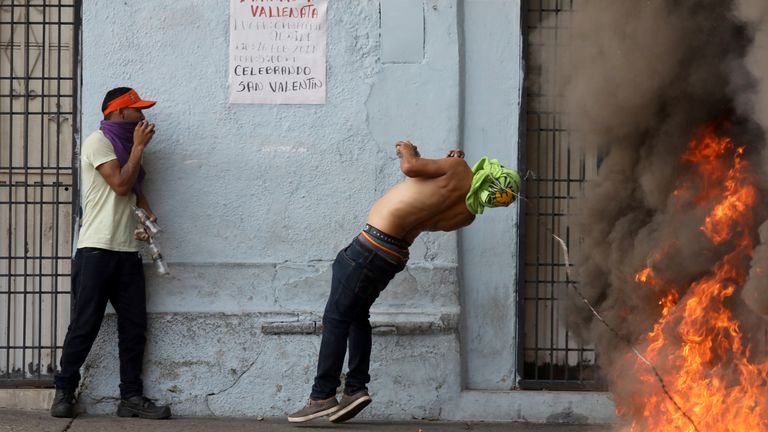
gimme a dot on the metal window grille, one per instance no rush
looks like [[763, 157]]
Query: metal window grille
[[551, 357], [38, 57]]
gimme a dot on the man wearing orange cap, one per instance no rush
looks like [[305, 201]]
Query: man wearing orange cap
[[107, 266]]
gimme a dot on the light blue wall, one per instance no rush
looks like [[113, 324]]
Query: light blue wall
[[239, 187], [256, 200], [493, 82]]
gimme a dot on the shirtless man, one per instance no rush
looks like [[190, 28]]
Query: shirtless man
[[438, 195]]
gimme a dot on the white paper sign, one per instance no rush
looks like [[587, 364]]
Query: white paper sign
[[277, 51]]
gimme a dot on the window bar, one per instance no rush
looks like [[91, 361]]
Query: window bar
[[31, 267], [43, 159], [538, 259], [55, 341], [34, 291], [25, 144], [565, 286], [550, 358], [552, 256], [12, 58]]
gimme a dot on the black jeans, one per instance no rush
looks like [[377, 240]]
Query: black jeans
[[98, 276], [359, 276]]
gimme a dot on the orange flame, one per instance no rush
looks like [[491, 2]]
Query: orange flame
[[697, 343]]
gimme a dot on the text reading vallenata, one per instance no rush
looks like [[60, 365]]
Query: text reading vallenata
[[306, 11]]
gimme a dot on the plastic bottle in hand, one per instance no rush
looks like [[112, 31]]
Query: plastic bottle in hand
[[143, 217], [157, 257]]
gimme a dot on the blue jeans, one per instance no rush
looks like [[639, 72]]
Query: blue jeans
[[360, 273]]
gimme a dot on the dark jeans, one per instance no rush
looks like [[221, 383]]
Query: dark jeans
[[98, 276], [359, 276]]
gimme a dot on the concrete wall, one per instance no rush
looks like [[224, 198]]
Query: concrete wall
[[492, 88], [256, 200]]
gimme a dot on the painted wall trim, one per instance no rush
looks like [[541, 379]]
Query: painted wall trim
[[383, 325]]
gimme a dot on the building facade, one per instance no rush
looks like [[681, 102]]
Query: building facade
[[256, 200]]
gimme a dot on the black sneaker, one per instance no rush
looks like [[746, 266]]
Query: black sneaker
[[139, 406], [350, 406], [63, 404], [315, 409]]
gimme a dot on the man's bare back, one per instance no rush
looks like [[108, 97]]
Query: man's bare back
[[432, 198]]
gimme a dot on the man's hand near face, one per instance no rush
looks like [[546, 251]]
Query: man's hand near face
[[143, 134]]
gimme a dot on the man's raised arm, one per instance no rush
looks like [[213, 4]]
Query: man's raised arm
[[414, 166], [122, 178]]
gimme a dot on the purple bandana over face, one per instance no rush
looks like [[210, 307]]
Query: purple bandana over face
[[120, 134]]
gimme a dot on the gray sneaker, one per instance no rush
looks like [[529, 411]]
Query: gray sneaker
[[315, 409], [350, 406]]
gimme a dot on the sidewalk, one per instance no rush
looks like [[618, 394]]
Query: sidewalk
[[40, 421]]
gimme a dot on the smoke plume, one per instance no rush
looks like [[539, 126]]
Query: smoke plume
[[639, 80]]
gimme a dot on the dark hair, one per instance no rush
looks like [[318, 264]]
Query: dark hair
[[112, 95]]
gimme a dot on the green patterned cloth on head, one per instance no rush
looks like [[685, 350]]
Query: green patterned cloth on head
[[493, 185]]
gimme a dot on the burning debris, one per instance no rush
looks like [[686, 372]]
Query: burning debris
[[707, 361], [671, 95]]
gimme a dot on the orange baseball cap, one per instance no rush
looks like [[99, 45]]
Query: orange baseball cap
[[130, 99]]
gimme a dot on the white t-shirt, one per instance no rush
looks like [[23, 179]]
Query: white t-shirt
[[108, 220]]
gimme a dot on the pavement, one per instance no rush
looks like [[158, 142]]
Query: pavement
[[41, 421]]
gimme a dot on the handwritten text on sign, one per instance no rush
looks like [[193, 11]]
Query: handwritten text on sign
[[277, 51]]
